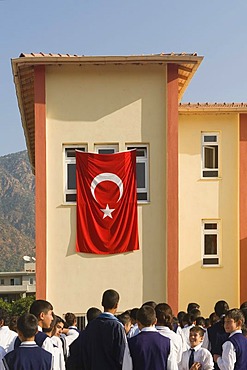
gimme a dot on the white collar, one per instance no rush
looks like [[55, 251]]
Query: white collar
[[235, 332], [164, 328], [150, 328]]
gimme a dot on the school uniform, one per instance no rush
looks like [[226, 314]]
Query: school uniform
[[58, 355], [201, 355], [134, 330], [28, 356], [7, 336], [149, 350], [186, 336], [75, 359], [105, 342], [234, 352], [175, 339]]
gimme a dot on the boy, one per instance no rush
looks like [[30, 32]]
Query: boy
[[196, 357], [28, 356], [6, 335], [104, 337], [234, 350], [149, 349]]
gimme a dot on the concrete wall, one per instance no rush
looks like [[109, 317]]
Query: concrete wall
[[208, 199], [102, 105]]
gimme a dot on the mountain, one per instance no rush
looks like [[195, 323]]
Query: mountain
[[17, 215]]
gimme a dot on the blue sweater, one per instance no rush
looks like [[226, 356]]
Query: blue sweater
[[149, 351], [240, 344]]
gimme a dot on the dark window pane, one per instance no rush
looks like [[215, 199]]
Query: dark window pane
[[210, 244], [140, 175], [71, 176], [210, 261], [211, 157], [106, 151], [210, 173], [70, 152], [70, 197], [140, 151], [210, 226], [142, 196], [210, 139]]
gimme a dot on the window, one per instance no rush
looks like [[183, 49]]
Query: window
[[1, 281], [210, 242], [70, 171], [31, 281], [106, 148], [141, 171], [210, 155]]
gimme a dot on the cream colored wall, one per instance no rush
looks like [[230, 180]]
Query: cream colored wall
[[105, 105], [208, 199]]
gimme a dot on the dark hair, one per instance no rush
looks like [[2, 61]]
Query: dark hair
[[110, 299], [236, 315], [70, 318], [243, 305], [27, 325], [191, 306], [220, 308], [92, 313], [124, 317], [13, 322], [195, 312], [150, 303], [197, 329], [133, 313], [3, 315], [200, 321], [146, 316], [180, 317], [39, 306], [164, 315], [189, 318], [213, 318]]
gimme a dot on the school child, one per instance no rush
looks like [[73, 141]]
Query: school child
[[134, 330], [6, 335], [196, 357], [164, 326], [125, 319], [149, 350], [70, 321], [189, 320], [234, 350], [28, 356]]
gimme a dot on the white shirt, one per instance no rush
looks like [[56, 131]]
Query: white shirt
[[228, 358], [2, 354], [134, 330], [171, 361], [6, 337], [175, 339], [201, 355], [58, 363]]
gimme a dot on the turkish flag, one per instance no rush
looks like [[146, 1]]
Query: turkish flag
[[106, 202]]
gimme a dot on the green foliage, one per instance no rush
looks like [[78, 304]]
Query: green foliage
[[18, 307], [22, 305]]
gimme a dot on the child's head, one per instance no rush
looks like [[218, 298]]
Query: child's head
[[164, 315], [150, 303], [27, 326], [58, 326], [43, 311], [200, 321], [92, 313], [70, 319], [180, 317], [196, 336], [234, 320], [110, 300], [133, 313], [191, 306], [220, 308], [146, 317], [125, 319]]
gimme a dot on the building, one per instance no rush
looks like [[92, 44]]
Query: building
[[191, 219], [18, 284]]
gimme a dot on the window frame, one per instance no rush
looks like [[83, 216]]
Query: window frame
[[98, 147], [145, 160], [66, 162], [210, 145], [217, 232]]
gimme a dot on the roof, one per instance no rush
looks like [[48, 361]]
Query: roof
[[192, 108], [23, 71]]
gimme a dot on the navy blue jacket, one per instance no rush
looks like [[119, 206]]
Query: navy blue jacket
[[104, 344], [240, 344]]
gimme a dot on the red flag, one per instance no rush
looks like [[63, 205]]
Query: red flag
[[106, 203]]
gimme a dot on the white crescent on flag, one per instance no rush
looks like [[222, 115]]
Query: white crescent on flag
[[107, 177]]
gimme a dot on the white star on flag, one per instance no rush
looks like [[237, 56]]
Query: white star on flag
[[107, 211]]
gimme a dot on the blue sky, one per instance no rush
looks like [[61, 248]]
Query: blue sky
[[216, 29]]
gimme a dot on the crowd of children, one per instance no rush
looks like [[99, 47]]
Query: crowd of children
[[145, 338]]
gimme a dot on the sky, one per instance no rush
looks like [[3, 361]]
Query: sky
[[215, 29]]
